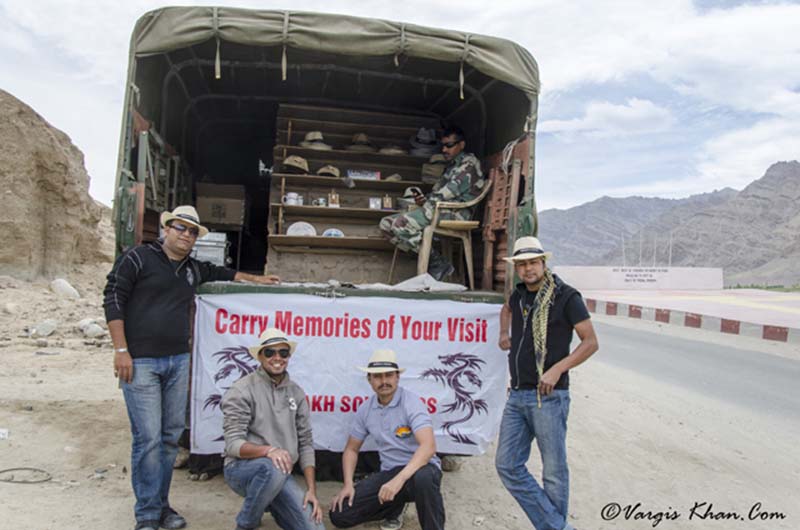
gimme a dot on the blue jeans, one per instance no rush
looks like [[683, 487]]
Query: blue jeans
[[156, 400], [523, 421], [265, 487]]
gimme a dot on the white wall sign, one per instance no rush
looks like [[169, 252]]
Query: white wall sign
[[681, 278]]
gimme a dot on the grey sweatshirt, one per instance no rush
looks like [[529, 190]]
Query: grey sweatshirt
[[258, 411]]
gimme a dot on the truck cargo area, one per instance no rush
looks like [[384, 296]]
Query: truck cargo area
[[211, 123]]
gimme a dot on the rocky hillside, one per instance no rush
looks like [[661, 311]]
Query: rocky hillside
[[48, 220], [754, 237], [592, 233], [754, 234]]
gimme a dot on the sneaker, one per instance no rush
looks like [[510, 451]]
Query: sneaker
[[182, 459], [146, 525], [394, 523], [171, 520]]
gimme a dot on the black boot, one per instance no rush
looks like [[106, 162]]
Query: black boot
[[438, 266]]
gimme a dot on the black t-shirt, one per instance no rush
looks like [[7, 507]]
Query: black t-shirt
[[566, 310]]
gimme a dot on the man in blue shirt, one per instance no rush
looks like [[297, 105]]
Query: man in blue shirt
[[410, 471]]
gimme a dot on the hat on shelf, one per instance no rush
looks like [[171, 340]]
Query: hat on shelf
[[295, 164], [329, 171], [392, 150], [315, 140], [361, 143], [424, 143]]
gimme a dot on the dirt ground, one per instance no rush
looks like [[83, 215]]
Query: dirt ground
[[631, 440]]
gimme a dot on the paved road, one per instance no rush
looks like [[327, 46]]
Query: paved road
[[761, 382]]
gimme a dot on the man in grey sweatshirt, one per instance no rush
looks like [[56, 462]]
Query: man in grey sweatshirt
[[267, 430]]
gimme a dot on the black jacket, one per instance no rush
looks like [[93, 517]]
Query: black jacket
[[153, 296]]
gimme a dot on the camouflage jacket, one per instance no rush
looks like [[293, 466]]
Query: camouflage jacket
[[461, 181]]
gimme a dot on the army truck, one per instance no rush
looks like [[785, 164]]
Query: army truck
[[218, 104]]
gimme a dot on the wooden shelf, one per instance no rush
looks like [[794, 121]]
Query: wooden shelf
[[327, 211], [332, 156], [361, 184], [360, 243]]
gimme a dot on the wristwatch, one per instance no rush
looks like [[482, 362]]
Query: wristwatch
[[121, 350]]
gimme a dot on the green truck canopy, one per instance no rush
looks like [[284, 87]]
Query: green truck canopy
[[172, 28]]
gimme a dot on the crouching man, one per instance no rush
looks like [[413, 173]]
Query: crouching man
[[267, 429], [410, 471]]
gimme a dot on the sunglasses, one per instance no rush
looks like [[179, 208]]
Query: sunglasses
[[181, 228], [451, 145], [270, 352]]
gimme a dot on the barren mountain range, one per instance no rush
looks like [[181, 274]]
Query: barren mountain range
[[752, 234]]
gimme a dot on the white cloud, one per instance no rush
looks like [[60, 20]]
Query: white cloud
[[738, 157], [604, 119]]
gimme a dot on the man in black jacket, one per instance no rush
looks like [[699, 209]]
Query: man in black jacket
[[147, 302], [542, 311]]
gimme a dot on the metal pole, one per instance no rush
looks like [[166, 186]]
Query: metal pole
[[640, 248], [654, 251], [670, 248], [624, 260]]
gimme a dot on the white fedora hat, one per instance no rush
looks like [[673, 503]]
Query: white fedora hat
[[528, 248], [185, 214], [270, 337], [382, 361]]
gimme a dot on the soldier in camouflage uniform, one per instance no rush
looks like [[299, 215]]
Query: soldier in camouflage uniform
[[461, 181]]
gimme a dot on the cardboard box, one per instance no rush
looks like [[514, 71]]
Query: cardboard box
[[219, 204]]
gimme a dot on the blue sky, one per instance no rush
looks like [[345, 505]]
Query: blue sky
[[664, 99]]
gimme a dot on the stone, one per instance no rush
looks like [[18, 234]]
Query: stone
[[63, 288], [83, 324], [10, 308], [451, 463], [41, 343], [93, 331], [45, 328]]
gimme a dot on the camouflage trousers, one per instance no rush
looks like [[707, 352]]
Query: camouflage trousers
[[404, 230]]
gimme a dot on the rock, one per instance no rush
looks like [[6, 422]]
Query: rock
[[10, 308], [83, 324], [64, 289], [451, 463], [41, 343], [47, 353], [45, 328], [478, 521], [93, 331]]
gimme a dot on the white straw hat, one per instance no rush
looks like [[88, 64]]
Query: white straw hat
[[382, 361], [270, 337], [528, 248], [185, 214]]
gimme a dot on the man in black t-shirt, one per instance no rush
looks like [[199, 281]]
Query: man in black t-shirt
[[542, 312]]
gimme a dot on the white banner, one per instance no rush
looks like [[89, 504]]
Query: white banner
[[449, 350]]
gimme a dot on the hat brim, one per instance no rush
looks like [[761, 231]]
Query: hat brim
[[380, 370], [529, 255], [255, 349], [319, 146], [295, 170], [361, 147], [167, 217]]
